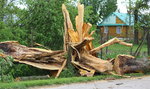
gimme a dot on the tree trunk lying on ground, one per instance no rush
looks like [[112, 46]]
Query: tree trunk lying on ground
[[40, 58], [129, 64]]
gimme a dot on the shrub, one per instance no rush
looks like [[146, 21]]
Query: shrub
[[5, 68], [20, 70]]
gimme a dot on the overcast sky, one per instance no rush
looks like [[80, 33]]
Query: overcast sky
[[122, 5]]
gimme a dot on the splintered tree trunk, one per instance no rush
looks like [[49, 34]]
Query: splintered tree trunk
[[37, 57], [80, 40]]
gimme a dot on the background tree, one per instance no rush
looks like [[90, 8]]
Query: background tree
[[145, 24], [141, 19], [100, 8], [43, 21], [9, 30], [140, 5]]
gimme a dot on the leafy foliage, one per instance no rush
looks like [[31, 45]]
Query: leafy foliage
[[5, 68], [138, 7], [70, 71], [145, 25], [9, 29], [19, 70], [100, 9], [43, 21]]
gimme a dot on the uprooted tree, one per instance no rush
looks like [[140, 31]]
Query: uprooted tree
[[78, 45]]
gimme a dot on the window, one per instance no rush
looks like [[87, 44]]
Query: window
[[106, 30], [118, 30]]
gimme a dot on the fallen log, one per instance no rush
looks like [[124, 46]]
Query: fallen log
[[40, 58], [129, 64]]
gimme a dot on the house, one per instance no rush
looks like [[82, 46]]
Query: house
[[117, 25]]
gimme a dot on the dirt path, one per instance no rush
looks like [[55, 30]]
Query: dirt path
[[132, 83]]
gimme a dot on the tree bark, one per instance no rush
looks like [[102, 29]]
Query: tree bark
[[136, 32], [129, 64], [148, 42], [53, 61], [136, 39]]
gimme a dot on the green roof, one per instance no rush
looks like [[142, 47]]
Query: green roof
[[123, 17]]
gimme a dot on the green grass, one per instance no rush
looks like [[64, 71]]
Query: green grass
[[52, 81], [116, 49]]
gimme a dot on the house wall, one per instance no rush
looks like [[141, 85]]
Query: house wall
[[125, 33], [113, 32]]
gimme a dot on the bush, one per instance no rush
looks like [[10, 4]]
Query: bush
[[70, 71], [5, 68], [20, 70], [7, 78]]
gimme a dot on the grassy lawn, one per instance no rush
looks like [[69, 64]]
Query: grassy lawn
[[116, 49], [52, 81]]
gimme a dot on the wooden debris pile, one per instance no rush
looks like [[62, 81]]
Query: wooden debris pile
[[83, 54], [78, 45]]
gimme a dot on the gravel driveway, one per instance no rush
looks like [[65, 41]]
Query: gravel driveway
[[130, 83]]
